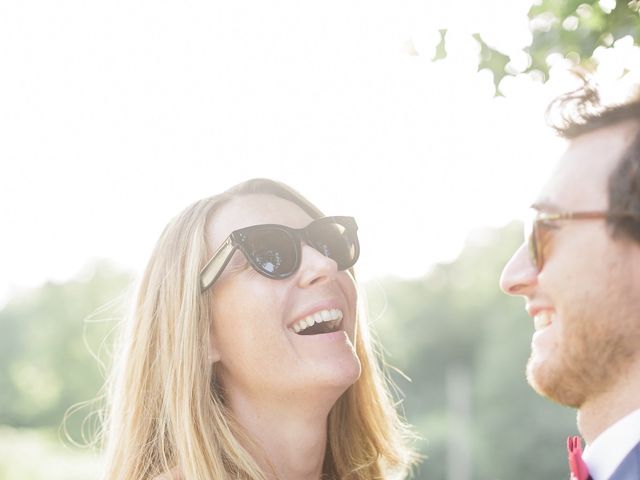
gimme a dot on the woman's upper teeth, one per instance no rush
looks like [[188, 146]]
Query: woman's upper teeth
[[317, 317]]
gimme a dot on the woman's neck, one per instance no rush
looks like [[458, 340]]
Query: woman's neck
[[288, 437]]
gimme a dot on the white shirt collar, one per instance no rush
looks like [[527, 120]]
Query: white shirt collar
[[608, 450]]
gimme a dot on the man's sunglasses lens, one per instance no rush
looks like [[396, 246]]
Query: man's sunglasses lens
[[533, 248], [531, 237]]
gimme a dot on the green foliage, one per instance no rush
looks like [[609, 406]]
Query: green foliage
[[572, 29], [492, 60], [45, 341], [575, 28], [457, 318], [441, 50]]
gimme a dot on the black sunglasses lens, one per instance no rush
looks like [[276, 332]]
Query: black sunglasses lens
[[272, 251], [275, 251], [336, 241]]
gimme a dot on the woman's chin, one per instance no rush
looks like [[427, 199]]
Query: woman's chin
[[340, 375]]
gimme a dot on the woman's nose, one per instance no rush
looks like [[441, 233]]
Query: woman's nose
[[315, 267]]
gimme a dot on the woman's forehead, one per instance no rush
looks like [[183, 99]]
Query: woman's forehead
[[254, 209]]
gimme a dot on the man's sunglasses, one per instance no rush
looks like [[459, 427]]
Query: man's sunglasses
[[275, 250], [538, 227]]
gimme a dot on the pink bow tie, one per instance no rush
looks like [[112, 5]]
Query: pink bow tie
[[579, 470]]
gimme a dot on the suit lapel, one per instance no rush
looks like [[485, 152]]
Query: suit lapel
[[629, 469]]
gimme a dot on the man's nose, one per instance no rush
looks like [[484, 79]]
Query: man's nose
[[519, 275]]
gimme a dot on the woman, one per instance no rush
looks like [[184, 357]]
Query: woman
[[245, 356]]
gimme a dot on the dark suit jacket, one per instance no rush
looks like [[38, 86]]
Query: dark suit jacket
[[629, 469]]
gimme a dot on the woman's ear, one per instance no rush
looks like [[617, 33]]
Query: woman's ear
[[214, 353]]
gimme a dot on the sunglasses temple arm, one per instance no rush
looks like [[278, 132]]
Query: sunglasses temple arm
[[216, 265]]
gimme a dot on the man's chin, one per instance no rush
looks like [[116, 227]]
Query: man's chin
[[549, 381]]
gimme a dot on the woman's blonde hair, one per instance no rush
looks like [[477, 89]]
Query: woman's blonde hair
[[165, 413]]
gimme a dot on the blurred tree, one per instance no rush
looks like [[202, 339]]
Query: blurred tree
[[456, 319], [570, 28], [46, 337]]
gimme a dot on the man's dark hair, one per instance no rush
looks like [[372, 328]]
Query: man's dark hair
[[581, 111]]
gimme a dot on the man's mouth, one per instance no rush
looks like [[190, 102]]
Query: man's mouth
[[543, 319], [323, 321]]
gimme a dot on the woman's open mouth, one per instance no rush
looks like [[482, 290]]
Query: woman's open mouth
[[323, 321]]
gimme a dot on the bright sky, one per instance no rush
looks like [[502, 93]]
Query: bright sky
[[116, 115]]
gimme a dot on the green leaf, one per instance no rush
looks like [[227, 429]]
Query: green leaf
[[441, 50], [492, 60]]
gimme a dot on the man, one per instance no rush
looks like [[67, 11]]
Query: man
[[579, 271]]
